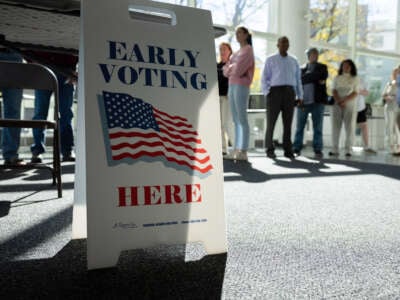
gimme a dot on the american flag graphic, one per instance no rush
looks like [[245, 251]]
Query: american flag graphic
[[136, 130]]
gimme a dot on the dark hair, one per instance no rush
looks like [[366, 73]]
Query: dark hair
[[311, 50], [283, 37], [353, 67], [249, 39]]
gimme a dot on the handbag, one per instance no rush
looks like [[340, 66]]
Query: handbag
[[330, 101]]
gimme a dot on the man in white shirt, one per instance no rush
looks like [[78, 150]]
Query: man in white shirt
[[281, 83]]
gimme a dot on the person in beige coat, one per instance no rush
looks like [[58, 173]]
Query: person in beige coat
[[391, 108], [344, 110]]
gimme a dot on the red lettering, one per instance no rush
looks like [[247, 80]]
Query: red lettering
[[122, 192], [156, 195], [150, 193], [172, 194], [177, 197], [193, 193]]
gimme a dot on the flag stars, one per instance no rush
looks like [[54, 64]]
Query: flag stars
[[127, 112]]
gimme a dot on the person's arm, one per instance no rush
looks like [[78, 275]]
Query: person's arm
[[226, 70], [266, 78], [319, 75], [352, 95], [335, 93], [244, 61], [299, 85], [335, 96], [398, 89], [386, 92], [356, 90]]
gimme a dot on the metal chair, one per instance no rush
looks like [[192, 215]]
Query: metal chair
[[34, 76]]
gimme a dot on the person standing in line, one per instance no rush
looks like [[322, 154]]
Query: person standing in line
[[345, 91], [12, 99], [362, 118], [42, 102], [391, 108], [398, 104], [313, 77], [225, 52], [240, 71], [281, 83]]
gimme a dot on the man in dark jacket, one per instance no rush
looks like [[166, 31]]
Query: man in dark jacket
[[313, 77]]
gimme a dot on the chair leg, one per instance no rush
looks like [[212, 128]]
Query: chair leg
[[56, 161]]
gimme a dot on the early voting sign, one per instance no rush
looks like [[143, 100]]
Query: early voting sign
[[149, 166]]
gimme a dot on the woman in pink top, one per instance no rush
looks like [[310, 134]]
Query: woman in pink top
[[240, 70]]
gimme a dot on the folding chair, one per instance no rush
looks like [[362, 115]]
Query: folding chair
[[34, 76]]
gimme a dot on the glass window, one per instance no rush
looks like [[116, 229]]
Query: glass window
[[376, 24], [260, 54], [252, 14], [332, 58], [328, 21], [375, 72]]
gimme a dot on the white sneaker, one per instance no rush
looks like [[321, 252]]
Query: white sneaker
[[241, 155], [237, 155], [231, 155]]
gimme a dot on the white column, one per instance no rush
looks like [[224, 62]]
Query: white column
[[352, 30], [294, 24], [397, 26]]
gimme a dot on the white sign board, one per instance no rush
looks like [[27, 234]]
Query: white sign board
[[149, 151]]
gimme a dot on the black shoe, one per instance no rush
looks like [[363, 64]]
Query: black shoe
[[296, 152], [36, 159], [348, 154], [333, 153], [289, 154], [318, 154], [271, 154], [14, 162], [68, 158]]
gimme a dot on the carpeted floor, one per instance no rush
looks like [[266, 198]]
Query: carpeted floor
[[302, 229]]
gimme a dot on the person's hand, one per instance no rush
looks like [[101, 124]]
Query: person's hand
[[300, 104], [388, 98], [73, 79], [342, 103], [364, 92]]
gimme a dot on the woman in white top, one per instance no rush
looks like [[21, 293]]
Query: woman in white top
[[344, 110], [391, 108]]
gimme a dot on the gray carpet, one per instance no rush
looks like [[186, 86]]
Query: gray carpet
[[302, 229]]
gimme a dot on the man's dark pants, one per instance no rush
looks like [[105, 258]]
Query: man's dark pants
[[280, 98]]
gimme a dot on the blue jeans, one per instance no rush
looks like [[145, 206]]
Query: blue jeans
[[317, 115], [12, 99], [42, 102], [238, 96]]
